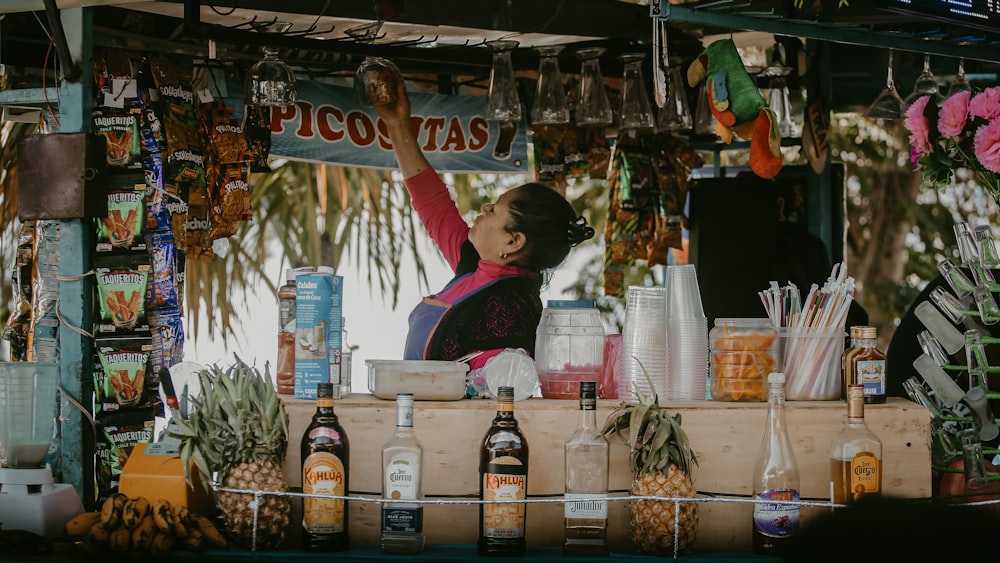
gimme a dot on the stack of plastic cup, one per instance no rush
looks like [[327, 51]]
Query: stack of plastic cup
[[643, 350], [687, 335]]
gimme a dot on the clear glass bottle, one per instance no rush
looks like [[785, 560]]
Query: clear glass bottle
[[503, 476], [855, 454], [775, 478], [586, 465], [867, 366], [502, 101], [325, 463], [849, 378], [285, 368], [402, 480]]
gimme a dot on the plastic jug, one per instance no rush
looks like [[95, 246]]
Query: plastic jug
[[569, 348]]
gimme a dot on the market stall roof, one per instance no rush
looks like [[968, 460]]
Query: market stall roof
[[446, 37]]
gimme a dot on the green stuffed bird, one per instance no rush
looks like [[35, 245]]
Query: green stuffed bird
[[738, 105]]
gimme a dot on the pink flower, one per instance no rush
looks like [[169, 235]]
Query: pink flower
[[916, 123], [986, 104], [987, 145], [954, 114]]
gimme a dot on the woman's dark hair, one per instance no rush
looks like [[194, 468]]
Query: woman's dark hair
[[549, 223]]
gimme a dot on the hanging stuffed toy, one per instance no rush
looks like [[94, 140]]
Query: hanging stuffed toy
[[738, 105]]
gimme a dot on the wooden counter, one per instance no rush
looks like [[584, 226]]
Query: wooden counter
[[726, 437]]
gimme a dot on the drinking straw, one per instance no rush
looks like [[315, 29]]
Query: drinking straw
[[810, 327]]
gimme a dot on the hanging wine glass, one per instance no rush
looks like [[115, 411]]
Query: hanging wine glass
[[675, 115], [271, 82], [926, 85], [550, 93], [593, 109], [888, 104], [960, 83], [502, 101], [636, 112]]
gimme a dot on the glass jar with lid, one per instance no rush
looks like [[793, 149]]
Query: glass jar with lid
[[743, 352], [569, 348]]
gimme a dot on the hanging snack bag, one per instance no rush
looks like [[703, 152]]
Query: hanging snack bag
[[164, 283], [125, 366], [177, 208], [118, 435], [168, 339], [121, 230], [120, 129], [121, 293], [15, 330], [550, 160]]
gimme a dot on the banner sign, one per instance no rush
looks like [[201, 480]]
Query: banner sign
[[328, 124]]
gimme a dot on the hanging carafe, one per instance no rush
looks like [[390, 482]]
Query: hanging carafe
[[550, 106], [593, 108], [704, 121], [675, 115], [778, 99], [502, 101], [636, 112]]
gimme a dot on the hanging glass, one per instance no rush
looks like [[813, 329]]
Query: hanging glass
[[502, 101], [593, 109], [636, 112], [675, 115], [778, 99], [704, 121], [271, 82], [550, 93], [888, 104], [960, 83], [926, 85]]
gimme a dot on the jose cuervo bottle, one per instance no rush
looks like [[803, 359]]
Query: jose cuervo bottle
[[402, 480]]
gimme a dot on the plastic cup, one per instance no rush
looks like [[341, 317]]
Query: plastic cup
[[27, 412], [683, 294]]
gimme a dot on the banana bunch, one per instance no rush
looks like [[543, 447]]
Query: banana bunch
[[136, 528]]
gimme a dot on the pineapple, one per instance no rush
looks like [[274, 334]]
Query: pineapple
[[238, 431], [660, 459]]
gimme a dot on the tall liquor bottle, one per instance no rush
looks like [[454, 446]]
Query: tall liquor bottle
[[325, 463], [586, 457], [855, 454], [402, 480], [775, 478], [503, 476]]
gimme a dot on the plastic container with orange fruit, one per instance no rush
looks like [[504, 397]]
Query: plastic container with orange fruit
[[743, 352]]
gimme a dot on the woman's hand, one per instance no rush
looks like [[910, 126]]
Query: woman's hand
[[396, 113]]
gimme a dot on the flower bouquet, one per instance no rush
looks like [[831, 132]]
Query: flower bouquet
[[963, 133]]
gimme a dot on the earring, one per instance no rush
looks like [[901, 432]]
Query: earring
[[503, 255]]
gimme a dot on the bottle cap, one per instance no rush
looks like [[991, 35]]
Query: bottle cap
[[868, 332], [505, 393], [326, 270], [588, 389], [856, 331], [290, 274], [776, 377], [324, 390]]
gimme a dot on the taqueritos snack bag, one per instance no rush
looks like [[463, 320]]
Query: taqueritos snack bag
[[121, 293], [125, 362], [121, 230]]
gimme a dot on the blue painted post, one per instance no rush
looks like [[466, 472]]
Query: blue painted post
[[76, 297]]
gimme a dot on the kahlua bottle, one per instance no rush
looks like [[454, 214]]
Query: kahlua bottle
[[503, 476], [325, 462], [775, 478]]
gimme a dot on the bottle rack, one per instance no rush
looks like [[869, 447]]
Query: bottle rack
[[971, 304]]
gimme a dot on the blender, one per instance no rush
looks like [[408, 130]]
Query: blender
[[29, 498]]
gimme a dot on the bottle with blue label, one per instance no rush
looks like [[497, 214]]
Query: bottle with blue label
[[775, 479]]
